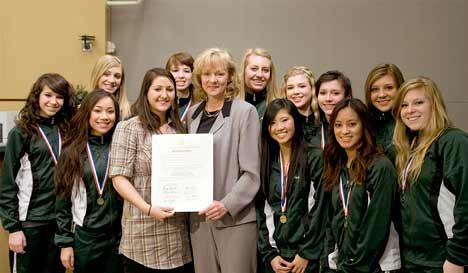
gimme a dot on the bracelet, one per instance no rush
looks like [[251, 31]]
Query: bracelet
[[149, 211]]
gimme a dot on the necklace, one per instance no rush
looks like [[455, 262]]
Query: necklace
[[211, 114]]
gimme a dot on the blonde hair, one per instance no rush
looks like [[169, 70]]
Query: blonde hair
[[103, 64], [301, 70], [271, 92], [438, 122], [209, 59]]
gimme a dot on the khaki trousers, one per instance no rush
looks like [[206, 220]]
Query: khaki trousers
[[223, 250]]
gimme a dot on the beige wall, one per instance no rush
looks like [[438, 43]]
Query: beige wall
[[423, 37], [42, 36]]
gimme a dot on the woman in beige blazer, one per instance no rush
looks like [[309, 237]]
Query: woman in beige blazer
[[224, 234]]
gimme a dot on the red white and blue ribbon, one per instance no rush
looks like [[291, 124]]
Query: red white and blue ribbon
[[49, 146], [186, 110], [404, 178], [344, 196], [405, 173], [322, 138], [99, 185], [283, 185]]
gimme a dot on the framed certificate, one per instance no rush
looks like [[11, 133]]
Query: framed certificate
[[182, 171]]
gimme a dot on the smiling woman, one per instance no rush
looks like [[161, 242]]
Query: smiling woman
[[164, 244], [257, 79], [298, 87], [108, 75], [223, 234], [432, 162], [380, 89], [363, 186], [290, 227], [86, 199], [330, 88], [181, 67], [27, 197]]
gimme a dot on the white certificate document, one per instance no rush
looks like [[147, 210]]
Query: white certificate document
[[182, 171]]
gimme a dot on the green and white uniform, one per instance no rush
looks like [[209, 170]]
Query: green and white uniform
[[183, 105], [257, 99], [434, 208], [302, 232], [362, 238], [27, 197], [384, 125], [311, 129], [96, 217], [318, 134]]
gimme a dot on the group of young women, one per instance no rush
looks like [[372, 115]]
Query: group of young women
[[306, 177]]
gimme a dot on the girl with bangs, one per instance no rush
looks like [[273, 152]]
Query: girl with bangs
[[154, 239], [330, 88], [257, 79], [289, 222], [181, 67], [363, 186], [298, 87], [108, 75], [88, 209], [223, 235], [432, 162], [27, 197], [380, 90]]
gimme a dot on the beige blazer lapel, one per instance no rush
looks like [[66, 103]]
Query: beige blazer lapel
[[195, 123], [218, 123]]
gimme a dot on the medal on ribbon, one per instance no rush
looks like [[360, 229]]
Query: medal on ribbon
[[404, 177], [49, 145], [322, 137], [186, 109], [99, 185], [344, 196], [284, 200]]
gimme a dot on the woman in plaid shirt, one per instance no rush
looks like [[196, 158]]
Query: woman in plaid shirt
[[153, 238]]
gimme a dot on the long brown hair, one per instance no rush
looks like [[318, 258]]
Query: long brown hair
[[335, 156], [29, 116], [141, 108], [331, 76], [69, 169], [375, 74]]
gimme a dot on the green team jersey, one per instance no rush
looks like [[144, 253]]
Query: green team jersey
[[26, 185], [88, 212], [257, 99], [362, 236], [302, 233], [434, 208]]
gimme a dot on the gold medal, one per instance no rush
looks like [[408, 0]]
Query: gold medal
[[100, 201], [283, 219]]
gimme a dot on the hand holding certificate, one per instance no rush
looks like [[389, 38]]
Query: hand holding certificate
[[182, 171]]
